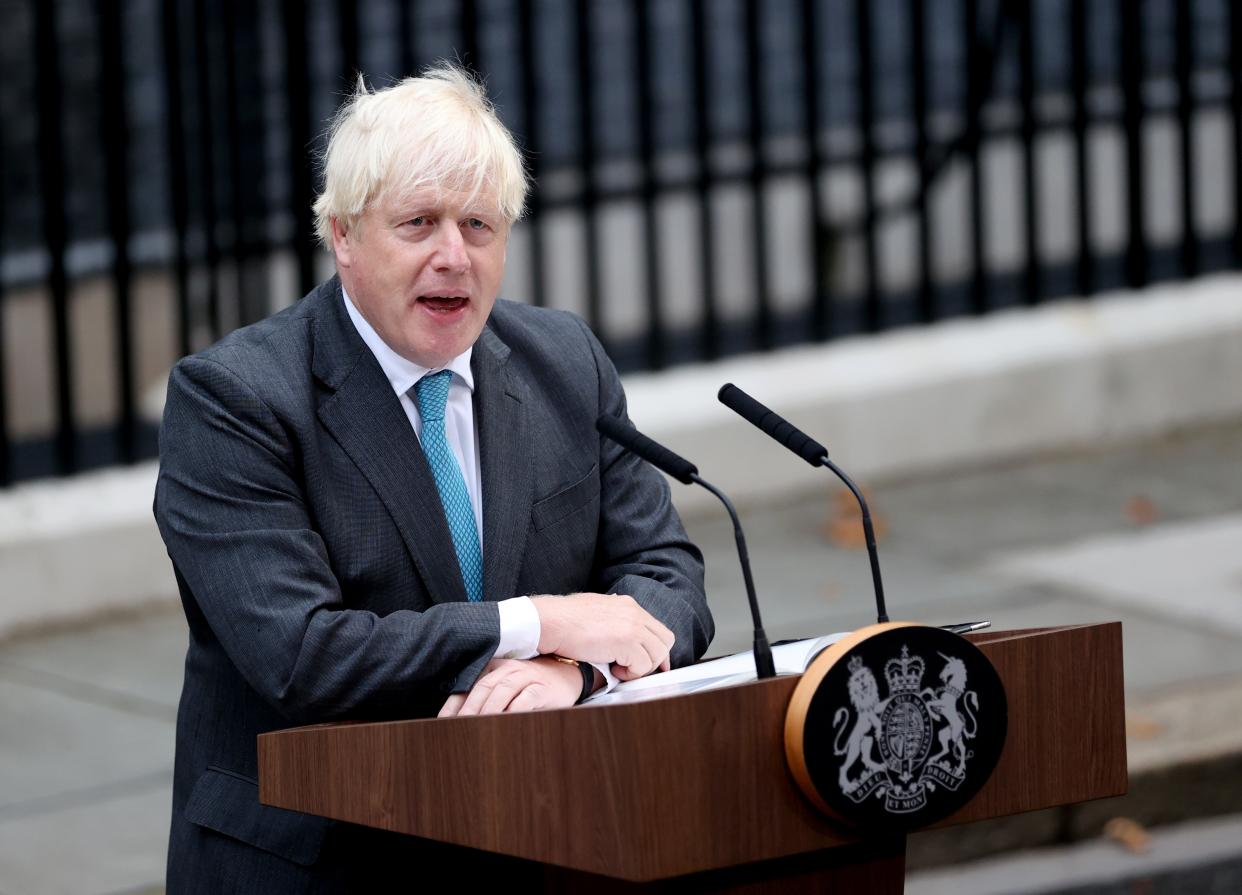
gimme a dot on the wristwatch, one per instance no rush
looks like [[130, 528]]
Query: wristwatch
[[588, 676]]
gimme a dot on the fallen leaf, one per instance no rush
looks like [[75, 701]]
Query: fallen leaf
[[831, 591], [843, 528], [1129, 834], [1140, 727], [1141, 510]]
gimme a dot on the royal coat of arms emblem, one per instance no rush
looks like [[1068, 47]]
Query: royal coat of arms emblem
[[906, 744], [896, 726]]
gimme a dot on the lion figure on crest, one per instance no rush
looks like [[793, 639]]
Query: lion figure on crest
[[943, 703], [865, 697]]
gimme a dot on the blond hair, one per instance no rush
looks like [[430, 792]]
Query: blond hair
[[437, 131]]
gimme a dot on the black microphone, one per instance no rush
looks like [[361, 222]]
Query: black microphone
[[779, 428], [685, 472], [812, 452]]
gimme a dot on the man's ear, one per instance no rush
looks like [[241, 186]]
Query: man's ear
[[342, 243]]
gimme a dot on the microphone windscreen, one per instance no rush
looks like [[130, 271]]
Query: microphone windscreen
[[654, 453], [772, 423], [742, 404]]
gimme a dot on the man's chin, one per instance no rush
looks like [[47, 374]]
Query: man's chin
[[435, 341], [437, 355]]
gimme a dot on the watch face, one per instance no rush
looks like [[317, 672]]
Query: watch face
[[904, 728]]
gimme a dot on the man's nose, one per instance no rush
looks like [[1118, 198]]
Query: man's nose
[[450, 254]]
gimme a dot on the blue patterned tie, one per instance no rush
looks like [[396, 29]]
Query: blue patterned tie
[[432, 391]]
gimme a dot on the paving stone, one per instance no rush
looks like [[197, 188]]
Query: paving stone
[[139, 655], [52, 745], [112, 846], [1188, 571], [1181, 857], [1157, 653]]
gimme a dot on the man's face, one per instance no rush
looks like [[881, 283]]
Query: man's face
[[424, 271]]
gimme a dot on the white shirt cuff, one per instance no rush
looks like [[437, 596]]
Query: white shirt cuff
[[610, 679], [519, 629]]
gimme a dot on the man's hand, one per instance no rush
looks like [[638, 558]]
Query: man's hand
[[600, 628], [518, 685]]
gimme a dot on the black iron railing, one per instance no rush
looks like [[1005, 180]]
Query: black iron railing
[[744, 145]]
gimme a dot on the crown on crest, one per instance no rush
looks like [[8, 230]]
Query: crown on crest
[[904, 674]]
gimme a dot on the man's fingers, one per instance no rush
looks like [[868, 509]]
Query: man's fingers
[[622, 673], [511, 685], [662, 633], [657, 651], [452, 705], [474, 699], [636, 660], [502, 694], [642, 664], [531, 698], [649, 654], [480, 692]]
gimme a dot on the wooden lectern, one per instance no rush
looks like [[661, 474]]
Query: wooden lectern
[[692, 793]]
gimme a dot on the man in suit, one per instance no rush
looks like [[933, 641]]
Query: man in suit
[[390, 500]]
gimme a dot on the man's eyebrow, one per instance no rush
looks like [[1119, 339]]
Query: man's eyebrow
[[435, 206], [487, 212], [406, 211]]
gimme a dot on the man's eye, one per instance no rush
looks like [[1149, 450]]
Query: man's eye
[[476, 224], [418, 221]]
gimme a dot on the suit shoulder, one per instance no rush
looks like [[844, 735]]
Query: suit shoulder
[[266, 351], [252, 344], [542, 329], [507, 314]]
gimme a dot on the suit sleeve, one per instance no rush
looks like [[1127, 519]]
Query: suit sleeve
[[643, 549], [230, 507]]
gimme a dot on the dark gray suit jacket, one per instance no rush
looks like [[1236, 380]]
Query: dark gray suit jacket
[[317, 571]]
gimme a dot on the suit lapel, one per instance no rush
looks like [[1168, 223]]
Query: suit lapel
[[504, 454], [366, 419]]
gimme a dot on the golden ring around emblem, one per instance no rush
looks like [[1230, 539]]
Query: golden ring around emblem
[[800, 703]]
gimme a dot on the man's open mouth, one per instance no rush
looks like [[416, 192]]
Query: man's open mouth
[[443, 303]]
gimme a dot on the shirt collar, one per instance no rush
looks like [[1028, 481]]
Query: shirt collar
[[402, 373]]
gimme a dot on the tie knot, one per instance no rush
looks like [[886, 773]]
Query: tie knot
[[432, 391]]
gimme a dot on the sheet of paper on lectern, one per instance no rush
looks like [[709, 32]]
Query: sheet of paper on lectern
[[739, 668]]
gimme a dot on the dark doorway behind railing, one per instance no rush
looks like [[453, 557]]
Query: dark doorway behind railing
[[713, 176]]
